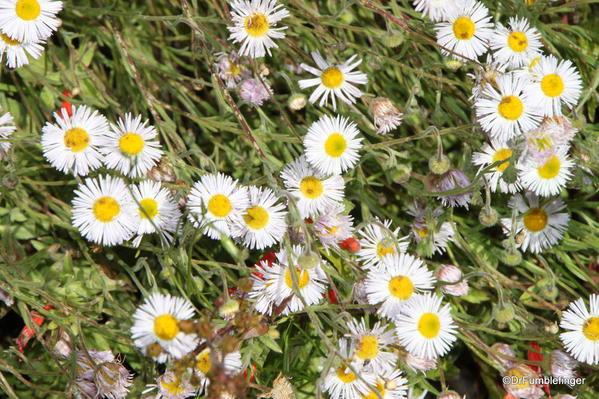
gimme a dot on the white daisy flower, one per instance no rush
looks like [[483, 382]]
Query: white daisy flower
[[311, 283], [491, 153], [342, 382], [425, 327], [389, 385], [73, 143], [313, 191], [171, 386], [378, 241], [131, 148], [29, 20], [543, 142], [157, 321], [466, 30], [439, 234], [554, 83], [255, 25], [215, 202], [104, 212], [333, 80], [516, 44], [16, 51], [549, 177], [372, 346], [231, 364], [437, 10], [508, 111], [158, 211], [7, 128], [395, 282], [582, 338], [331, 145], [263, 221], [333, 226], [232, 69], [541, 226]]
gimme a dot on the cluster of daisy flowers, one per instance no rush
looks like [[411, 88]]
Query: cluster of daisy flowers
[[25, 26], [519, 96]]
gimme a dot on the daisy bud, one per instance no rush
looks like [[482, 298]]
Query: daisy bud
[[62, 347], [112, 380], [452, 274], [308, 260], [6, 298], [439, 165], [451, 395], [187, 326], [401, 173], [88, 360], [297, 102], [360, 295], [253, 91], [511, 257], [488, 217], [451, 180], [504, 349], [386, 115], [552, 328], [562, 365], [350, 244], [162, 172], [393, 40], [518, 383], [229, 309], [548, 290], [505, 313], [420, 364], [453, 64], [154, 350]]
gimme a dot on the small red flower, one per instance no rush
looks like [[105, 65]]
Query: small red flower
[[66, 105], [309, 220], [535, 354], [252, 373], [331, 296], [28, 333], [350, 244]]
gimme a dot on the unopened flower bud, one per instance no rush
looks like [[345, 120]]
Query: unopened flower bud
[[488, 217], [453, 64], [452, 274], [308, 260], [393, 39], [562, 365], [187, 326], [418, 363], [511, 257], [505, 313], [229, 309], [506, 350], [386, 115], [297, 102], [112, 380], [401, 173], [450, 395], [439, 165]]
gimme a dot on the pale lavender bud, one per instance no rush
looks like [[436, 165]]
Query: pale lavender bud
[[88, 360], [253, 91], [562, 365], [452, 274], [451, 180], [112, 380], [419, 364], [506, 350], [386, 115]]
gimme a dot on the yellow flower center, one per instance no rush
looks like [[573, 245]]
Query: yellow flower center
[[591, 329], [256, 217], [28, 9], [500, 155], [382, 250], [517, 41], [166, 327], [106, 209], [303, 278], [429, 325], [256, 25], [76, 139], [368, 347], [511, 107], [174, 387], [519, 374], [380, 388], [234, 68], [311, 187], [204, 363], [332, 77], [131, 143], [535, 219], [345, 375], [148, 206], [463, 28], [552, 85], [423, 232], [551, 168], [219, 205], [8, 40], [533, 62], [401, 287], [335, 145]]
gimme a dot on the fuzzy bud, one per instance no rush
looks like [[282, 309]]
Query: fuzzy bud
[[489, 218], [452, 274], [297, 102], [512, 257], [308, 260], [393, 40], [401, 173], [187, 326], [420, 364], [506, 350], [386, 115], [505, 313], [439, 165], [562, 365], [112, 380], [229, 309]]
